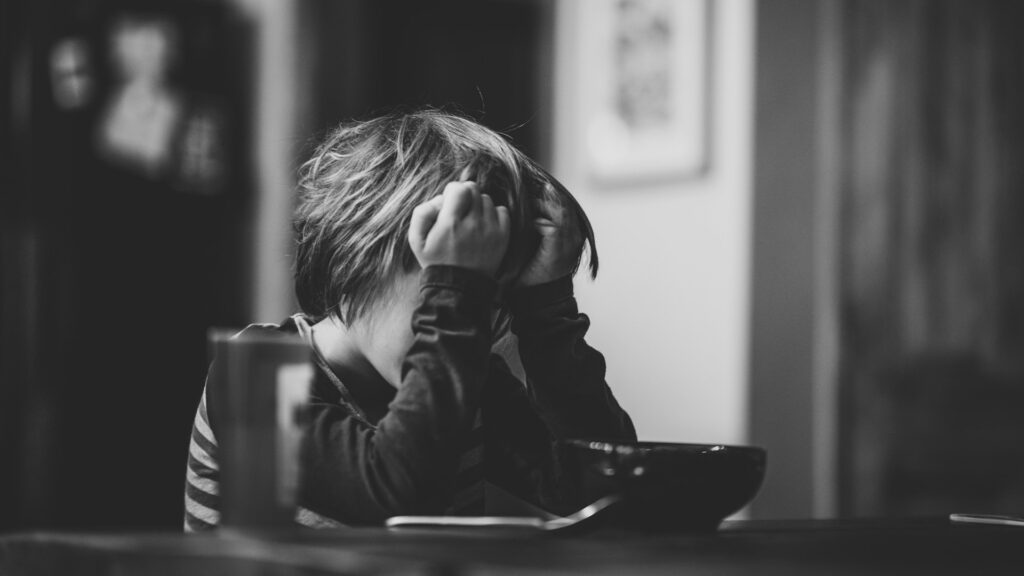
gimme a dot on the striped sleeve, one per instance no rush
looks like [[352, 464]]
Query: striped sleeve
[[202, 489]]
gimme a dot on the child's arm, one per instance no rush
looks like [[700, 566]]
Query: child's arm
[[565, 376], [362, 474], [566, 395], [406, 464]]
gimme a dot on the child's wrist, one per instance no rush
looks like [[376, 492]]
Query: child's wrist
[[459, 278], [540, 295]]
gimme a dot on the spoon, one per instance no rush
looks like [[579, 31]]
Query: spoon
[[994, 519], [547, 525]]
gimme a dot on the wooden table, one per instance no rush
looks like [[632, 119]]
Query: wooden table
[[929, 546]]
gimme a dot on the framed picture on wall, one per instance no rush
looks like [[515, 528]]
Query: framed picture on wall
[[166, 98], [647, 89]]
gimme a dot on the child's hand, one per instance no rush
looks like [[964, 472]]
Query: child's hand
[[561, 242], [461, 227]]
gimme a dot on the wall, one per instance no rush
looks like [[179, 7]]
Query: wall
[[670, 308], [792, 355], [277, 119]]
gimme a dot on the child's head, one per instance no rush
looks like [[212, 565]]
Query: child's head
[[358, 192]]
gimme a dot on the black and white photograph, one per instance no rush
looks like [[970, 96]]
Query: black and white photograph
[[531, 287]]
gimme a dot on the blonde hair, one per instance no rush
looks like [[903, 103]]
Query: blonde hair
[[358, 190]]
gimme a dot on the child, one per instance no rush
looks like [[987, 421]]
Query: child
[[423, 238]]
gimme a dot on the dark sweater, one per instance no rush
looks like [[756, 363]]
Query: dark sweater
[[372, 452]]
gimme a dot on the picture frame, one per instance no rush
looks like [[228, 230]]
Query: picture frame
[[169, 91], [647, 80]]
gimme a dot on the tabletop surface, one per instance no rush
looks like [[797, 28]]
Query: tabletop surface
[[926, 546]]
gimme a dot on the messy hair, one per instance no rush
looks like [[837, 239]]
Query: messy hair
[[358, 190]]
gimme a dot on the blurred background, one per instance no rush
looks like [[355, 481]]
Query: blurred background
[[809, 214]]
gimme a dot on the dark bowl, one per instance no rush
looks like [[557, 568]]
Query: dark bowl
[[664, 486]]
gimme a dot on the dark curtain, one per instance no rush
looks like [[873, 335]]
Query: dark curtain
[[932, 273], [110, 276]]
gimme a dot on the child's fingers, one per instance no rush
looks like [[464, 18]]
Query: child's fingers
[[550, 204], [503, 220], [478, 205], [458, 200], [423, 218], [435, 204], [550, 208], [487, 209]]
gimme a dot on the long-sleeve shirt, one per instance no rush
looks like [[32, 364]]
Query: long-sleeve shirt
[[371, 452]]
